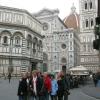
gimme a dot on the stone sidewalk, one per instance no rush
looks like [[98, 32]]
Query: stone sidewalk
[[92, 91]]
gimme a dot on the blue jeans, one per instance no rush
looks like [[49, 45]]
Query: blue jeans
[[21, 98]]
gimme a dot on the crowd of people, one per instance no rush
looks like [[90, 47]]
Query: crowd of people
[[43, 86]]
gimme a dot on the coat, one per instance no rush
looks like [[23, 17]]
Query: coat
[[61, 89], [54, 87], [22, 88], [47, 83], [39, 85]]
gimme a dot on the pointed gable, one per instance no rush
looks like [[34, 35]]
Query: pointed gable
[[45, 12]]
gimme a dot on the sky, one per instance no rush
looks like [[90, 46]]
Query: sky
[[34, 6]]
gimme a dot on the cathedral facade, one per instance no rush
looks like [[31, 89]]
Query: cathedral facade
[[88, 13], [60, 43], [21, 47]]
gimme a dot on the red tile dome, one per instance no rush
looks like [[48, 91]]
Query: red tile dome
[[72, 21]]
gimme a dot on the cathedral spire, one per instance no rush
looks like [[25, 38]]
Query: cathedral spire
[[73, 9]]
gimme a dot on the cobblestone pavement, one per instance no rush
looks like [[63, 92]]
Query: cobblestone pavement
[[9, 91], [78, 94]]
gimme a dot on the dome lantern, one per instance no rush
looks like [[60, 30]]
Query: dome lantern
[[73, 8]]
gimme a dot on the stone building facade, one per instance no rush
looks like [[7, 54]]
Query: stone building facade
[[21, 47], [60, 43], [88, 13]]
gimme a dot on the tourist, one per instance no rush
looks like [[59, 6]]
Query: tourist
[[22, 88], [54, 88]]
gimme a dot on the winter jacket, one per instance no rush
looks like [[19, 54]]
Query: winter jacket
[[47, 84], [54, 87], [39, 84], [61, 86], [22, 88]]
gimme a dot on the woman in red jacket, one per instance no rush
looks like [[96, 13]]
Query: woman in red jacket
[[47, 85]]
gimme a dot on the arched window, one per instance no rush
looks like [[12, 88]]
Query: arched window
[[87, 23], [85, 5], [29, 41], [92, 22], [17, 40], [5, 39], [90, 4], [40, 44]]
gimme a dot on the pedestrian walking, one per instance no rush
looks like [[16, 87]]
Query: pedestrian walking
[[5, 76], [9, 77], [95, 80]]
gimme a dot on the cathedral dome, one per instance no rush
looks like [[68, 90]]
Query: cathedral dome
[[72, 21]]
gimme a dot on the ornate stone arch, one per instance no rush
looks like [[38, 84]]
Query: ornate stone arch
[[40, 43], [35, 44], [35, 40], [17, 33], [17, 38], [5, 37], [6, 32], [29, 37], [29, 40]]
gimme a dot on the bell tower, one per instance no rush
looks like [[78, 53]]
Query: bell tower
[[88, 56]]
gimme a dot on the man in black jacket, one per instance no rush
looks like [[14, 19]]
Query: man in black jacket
[[66, 80], [22, 88]]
